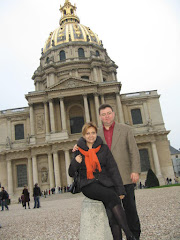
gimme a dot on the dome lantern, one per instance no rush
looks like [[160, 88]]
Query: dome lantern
[[68, 12]]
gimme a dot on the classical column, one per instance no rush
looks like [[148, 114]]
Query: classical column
[[67, 162], [35, 169], [146, 111], [101, 75], [113, 76], [119, 108], [56, 170], [51, 172], [32, 120], [30, 175], [52, 118], [95, 74], [86, 108], [156, 160], [10, 177], [102, 99], [96, 99], [46, 113], [63, 115], [76, 73]]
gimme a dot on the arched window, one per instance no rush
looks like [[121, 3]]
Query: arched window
[[21, 175], [136, 116], [64, 12], [47, 59], [85, 77], [81, 53], [71, 11], [62, 55], [76, 118], [144, 157], [97, 53], [19, 131]]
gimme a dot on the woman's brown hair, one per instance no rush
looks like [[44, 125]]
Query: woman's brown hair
[[88, 125]]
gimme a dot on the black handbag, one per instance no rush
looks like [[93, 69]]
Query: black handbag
[[75, 186]]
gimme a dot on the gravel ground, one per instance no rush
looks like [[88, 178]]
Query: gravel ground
[[59, 217]]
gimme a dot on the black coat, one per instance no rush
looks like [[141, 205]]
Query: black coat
[[109, 176], [4, 195], [36, 191], [26, 195]]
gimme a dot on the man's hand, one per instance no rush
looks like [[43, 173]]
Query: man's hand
[[134, 177], [75, 148], [121, 196]]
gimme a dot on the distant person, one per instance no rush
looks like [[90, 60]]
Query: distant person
[[36, 195], [167, 181], [26, 198], [4, 199]]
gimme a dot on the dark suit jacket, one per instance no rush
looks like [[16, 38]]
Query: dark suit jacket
[[124, 150]]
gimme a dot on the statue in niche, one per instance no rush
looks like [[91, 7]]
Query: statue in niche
[[44, 176], [28, 139], [8, 142]]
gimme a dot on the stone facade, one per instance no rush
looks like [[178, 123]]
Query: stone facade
[[75, 76]]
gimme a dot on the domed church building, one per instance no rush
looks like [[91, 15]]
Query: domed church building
[[74, 77]]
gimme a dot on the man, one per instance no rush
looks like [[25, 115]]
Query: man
[[36, 194], [121, 142], [4, 199]]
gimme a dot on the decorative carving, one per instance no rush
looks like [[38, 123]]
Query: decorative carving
[[40, 123], [77, 30]]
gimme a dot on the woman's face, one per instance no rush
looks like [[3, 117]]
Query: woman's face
[[90, 135]]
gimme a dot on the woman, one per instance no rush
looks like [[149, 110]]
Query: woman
[[26, 198], [100, 177]]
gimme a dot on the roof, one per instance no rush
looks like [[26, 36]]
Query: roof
[[173, 150], [70, 29]]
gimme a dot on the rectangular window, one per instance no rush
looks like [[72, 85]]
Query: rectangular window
[[144, 157], [19, 131], [136, 116], [21, 175]]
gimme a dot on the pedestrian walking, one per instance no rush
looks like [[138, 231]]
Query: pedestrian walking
[[4, 199], [26, 198], [36, 195]]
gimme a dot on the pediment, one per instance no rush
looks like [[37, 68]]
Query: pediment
[[72, 83]]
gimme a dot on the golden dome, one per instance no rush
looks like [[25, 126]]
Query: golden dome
[[70, 29]]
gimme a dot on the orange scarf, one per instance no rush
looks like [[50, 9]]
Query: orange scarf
[[91, 161]]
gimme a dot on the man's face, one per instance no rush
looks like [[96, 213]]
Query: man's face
[[107, 116]]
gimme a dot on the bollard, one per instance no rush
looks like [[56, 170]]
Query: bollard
[[94, 221]]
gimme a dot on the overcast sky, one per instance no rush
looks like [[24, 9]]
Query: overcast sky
[[141, 36]]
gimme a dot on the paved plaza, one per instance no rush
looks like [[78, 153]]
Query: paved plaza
[[59, 217]]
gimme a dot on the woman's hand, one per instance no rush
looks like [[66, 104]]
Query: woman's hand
[[78, 158], [121, 196], [75, 148]]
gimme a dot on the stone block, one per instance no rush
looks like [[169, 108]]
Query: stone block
[[94, 221]]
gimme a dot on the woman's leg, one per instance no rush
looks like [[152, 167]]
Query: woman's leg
[[115, 229], [120, 216]]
